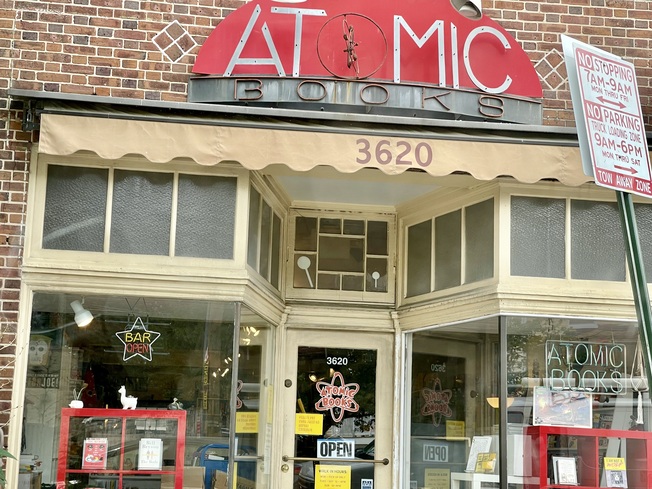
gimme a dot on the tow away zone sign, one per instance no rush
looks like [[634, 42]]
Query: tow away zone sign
[[609, 118]]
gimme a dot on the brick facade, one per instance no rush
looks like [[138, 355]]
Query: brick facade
[[135, 49]]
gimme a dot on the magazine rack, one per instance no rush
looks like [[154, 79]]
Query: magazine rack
[[123, 430], [589, 453]]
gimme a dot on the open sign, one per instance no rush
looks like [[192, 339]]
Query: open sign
[[335, 448], [435, 452]]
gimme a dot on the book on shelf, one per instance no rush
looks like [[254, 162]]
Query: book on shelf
[[605, 421], [94, 453], [615, 472], [486, 463], [565, 470], [150, 454], [479, 444]]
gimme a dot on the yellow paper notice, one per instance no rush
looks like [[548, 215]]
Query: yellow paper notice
[[454, 429], [437, 479], [332, 476], [614, 463], [309, 424], [246, 422]]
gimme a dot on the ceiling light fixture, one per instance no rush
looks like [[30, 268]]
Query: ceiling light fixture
[[83, 317]]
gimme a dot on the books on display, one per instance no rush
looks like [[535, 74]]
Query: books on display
[[486, 463], [150, 454], [94, 453], [565, 470]]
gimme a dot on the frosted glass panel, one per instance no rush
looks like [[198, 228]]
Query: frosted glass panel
[[644, 225], [419, 259], [537, 240], [448, 250], [330, 226], [376, 277], [254, 219], [353, 226], [341, 254], [75, 208], [206, 216], [265, 239], [597, 244], [479, 234], [305, 234], [276, 251], [352, 282], [140, 219], [377, 238]]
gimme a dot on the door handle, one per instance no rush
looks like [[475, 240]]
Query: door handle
[[384, 461]]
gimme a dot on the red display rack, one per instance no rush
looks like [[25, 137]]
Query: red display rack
[[588, 450], [123, 428]]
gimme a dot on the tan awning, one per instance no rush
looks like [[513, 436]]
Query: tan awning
[[304, 147]]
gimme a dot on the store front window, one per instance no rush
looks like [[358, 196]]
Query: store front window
[[578, 407], [580, 386], [147, 388], [454, 381]]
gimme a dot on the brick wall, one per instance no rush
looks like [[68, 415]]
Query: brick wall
[[622, 27], [122, 48], [14, 154]]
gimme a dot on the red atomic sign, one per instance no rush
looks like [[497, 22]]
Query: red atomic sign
[[614, 122], [398, 41]]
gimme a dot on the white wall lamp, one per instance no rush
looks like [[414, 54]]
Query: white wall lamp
[[83, 317], [468, 8]]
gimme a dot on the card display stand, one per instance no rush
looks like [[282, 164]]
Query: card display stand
[[123, 429], [588, 451]]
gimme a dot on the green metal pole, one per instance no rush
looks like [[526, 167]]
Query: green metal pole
[[637, 275]]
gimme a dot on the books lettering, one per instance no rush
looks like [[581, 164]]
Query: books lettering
[[150, 454], [615, 472], [94, 453], [565, 470]]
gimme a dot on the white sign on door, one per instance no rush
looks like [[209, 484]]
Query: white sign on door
[[341, 448]]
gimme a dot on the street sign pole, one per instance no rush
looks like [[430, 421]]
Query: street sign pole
[[637, 277]]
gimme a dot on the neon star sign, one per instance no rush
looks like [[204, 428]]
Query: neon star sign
[[337, 397], [437, 403], [137, 341]]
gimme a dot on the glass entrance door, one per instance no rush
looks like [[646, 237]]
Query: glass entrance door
[[337, 397]]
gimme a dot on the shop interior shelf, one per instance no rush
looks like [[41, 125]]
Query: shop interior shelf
[[124, 429], [588, 449]]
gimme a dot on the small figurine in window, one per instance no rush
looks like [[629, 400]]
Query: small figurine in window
[[128, 402]]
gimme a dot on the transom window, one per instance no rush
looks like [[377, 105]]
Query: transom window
[[595, 249], [451, 249], [139, 212], [341, 253]]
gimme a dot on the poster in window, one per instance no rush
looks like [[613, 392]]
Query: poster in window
[[615, 472], [562, 408], [94, 454]]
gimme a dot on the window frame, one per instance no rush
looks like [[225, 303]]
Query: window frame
[[36, 255], [387, 297]]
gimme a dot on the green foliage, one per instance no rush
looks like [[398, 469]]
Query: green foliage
[[4, 453]]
